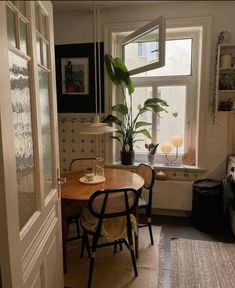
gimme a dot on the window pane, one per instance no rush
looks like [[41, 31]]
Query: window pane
[[45, 129], [21, 109], [139, 96], [169, 125], [37, 16], [44, 53], [42, 22], [38, 50], [177, 61], [131, 51], [23, 36], [22, 7], [11, 33], [152, 34]]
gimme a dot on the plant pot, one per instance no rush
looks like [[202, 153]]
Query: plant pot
[[151, 158], [127, 157]]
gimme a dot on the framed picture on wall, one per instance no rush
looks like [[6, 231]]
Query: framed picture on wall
[[75, 75], [75, 78]]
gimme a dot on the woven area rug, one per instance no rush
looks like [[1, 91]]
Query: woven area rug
[[115, 270], [202, 264]]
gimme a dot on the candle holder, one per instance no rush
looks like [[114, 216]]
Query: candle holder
[[167, 147], [173, 162]]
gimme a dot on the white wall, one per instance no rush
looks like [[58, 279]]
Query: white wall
[[77, 27]]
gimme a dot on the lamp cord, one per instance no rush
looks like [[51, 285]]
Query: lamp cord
[[95, 58]]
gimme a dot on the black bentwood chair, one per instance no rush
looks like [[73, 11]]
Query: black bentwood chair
[[147, 173], [73, 213], [110, 206]]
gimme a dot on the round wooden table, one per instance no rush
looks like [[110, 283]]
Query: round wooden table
[[76, 194], [74, 190]]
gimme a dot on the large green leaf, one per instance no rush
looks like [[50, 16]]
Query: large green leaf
[[121, 108], [145, 132], [110, 65], [155, 101], [110, 119], [119, 73], [141, 123]]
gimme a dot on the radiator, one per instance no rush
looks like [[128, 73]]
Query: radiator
[[172, 195]]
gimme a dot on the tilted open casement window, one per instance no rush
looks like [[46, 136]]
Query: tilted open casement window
[[147, 41]]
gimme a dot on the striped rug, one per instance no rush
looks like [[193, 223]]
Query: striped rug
[[202, 264]]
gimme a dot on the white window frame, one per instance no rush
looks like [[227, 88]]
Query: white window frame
[[112, 33]]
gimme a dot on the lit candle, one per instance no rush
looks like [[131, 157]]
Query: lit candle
[[177, 141], [166, 148]]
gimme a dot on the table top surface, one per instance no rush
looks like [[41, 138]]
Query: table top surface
[[73, 189]]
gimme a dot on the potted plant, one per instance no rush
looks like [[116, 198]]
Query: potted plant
[[128, 127], [152, 148]]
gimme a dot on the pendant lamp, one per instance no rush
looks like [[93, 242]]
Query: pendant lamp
[[96, 128]]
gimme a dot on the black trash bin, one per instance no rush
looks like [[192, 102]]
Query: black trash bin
[[207, 208]]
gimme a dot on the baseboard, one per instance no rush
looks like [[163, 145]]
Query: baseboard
[[167, 212]]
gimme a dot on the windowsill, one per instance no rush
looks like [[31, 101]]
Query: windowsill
[[159, 167]]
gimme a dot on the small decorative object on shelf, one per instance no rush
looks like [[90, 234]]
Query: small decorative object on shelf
[[152, 148], [166, 148], [189, 157], [224, 87], [226, 105]]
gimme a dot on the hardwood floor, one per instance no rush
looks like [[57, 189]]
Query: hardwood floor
[[181, 227]]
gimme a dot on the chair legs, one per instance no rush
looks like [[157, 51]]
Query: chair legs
[[149, 221], [151, 233], [85, 242], [92, 261], [149, 224]]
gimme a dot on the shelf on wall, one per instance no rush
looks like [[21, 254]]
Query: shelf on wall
[[226, 91], [227, 112]]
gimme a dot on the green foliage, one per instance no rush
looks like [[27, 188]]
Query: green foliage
[[127, 127]]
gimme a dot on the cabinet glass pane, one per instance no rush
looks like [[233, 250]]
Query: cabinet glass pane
[[11, 33], [23, 36], [22, 125], [22, 7], [13, 2], [45, 129]]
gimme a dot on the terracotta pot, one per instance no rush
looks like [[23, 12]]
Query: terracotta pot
[[127, 157]]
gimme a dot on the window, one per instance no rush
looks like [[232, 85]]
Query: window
[[173, 83], [179, 82]]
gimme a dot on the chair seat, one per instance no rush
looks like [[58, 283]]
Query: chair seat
[[112, 229], [142, 203]]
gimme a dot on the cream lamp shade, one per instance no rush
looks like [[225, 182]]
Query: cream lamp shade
[[166, 148], [177, 141], [96, 128]]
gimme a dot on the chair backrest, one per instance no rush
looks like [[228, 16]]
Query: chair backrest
[[113, 203], [147, 173], [79, 164]]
